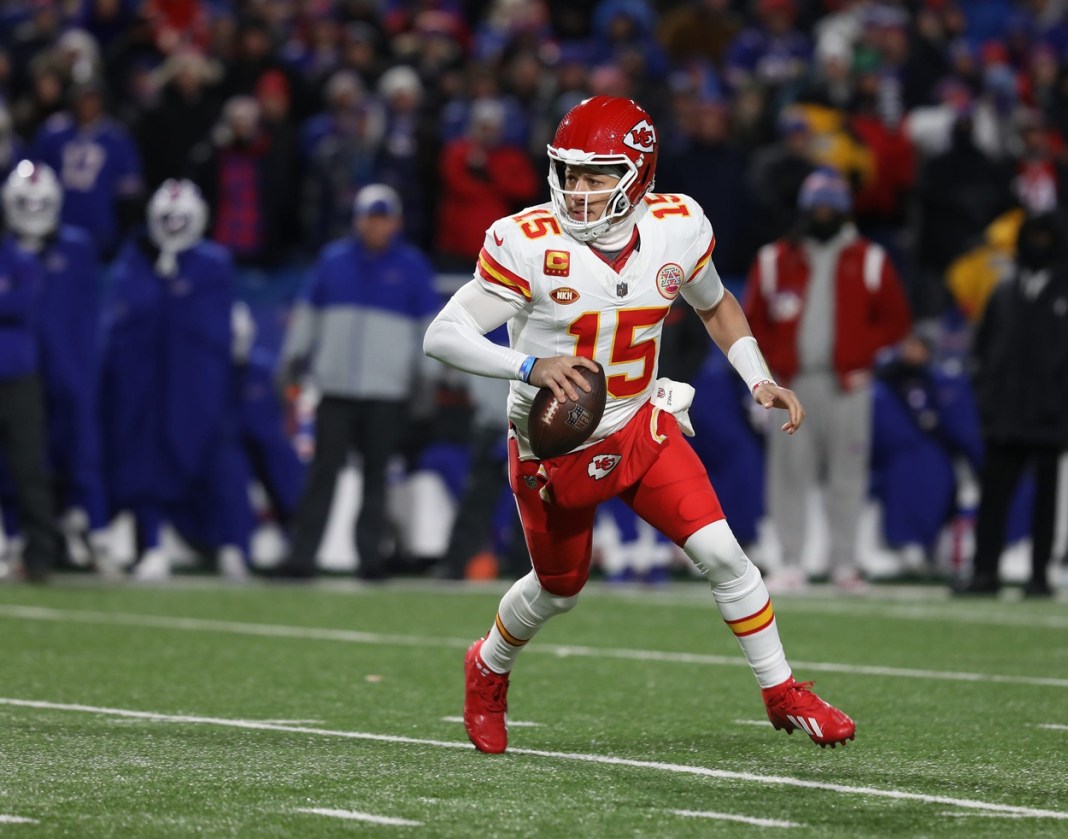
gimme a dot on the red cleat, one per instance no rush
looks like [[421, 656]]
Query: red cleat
[[485, 703], [794, 705]]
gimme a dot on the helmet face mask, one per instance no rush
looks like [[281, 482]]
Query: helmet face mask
[[177, 216], [32, 199], [602, 132]]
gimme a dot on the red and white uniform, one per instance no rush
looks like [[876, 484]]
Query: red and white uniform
[[570, 301]]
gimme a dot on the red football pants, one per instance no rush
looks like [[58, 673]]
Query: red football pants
[[674, 495]]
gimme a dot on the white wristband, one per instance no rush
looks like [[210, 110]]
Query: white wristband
[[745, 357]]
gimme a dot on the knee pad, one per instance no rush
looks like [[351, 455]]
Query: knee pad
[[716, 553], [565, 586], [545, 603]]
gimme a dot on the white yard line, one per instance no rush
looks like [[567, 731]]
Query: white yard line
[[917, 603], [1053, 726], [730, 817], [4, 819], [355, 637], [761, 723], [603, 760], [352, 815], [511, 723]]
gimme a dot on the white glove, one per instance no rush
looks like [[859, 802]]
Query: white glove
[[675, 398]]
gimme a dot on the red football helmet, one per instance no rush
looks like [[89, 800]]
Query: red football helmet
[[604, 131]]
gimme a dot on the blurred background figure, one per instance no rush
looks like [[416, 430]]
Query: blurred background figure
[[245, 177], [822, 303], [1020, 357], [97, 162], [482, 179], [68, 337], [23, 429], [169, 421], [474, 549], [357, 332]]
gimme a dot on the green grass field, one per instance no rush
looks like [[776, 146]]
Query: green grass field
[[197, 709]]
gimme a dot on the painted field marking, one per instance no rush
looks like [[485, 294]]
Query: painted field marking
[[352, 815], [561, 651], [5, 819], [511, 723], [954, 814], [940, 609], [603, 760], [730, 817], [1053, 726], [761, 723]]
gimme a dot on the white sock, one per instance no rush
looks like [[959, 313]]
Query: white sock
[[743, 600], [525, 608]]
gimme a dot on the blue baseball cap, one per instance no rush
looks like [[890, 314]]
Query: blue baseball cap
[[825, 188]]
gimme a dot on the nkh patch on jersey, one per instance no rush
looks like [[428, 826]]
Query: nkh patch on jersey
[[564, 295]]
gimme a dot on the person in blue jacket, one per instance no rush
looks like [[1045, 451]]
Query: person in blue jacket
[[22, 414], [357, 329], [97, 163], [169, 420], [67, 332], [260, 451]]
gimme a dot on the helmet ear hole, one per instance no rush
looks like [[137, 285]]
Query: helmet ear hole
[[621, 204]]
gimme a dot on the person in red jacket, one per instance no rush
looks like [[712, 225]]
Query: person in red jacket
[[482, 179], [822, 303]]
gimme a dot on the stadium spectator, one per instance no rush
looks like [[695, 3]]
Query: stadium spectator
[[243, 176], [599, 236], [482, 179], [183, 116], [699, 29], [823, 302], [959, 192], [776, 173], [10, 144], [1020, 357], [773, 52], [408, 156], [712, 169], [355, 330], [98, 165], [342, 162]]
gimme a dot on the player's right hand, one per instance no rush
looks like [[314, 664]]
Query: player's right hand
[[558, 373]]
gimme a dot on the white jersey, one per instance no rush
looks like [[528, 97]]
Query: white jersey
[[571, 302]]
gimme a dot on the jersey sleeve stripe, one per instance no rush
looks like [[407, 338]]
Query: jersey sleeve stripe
[[703, 261], [492, 271]]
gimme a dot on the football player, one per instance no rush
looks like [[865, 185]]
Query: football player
[[589, 277], [67, 335]]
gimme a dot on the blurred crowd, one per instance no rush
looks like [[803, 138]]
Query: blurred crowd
[[946, 119]]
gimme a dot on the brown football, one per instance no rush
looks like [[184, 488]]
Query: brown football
[[555, 428]]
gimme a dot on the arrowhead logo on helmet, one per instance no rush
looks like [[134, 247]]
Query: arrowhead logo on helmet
[[642, 137]]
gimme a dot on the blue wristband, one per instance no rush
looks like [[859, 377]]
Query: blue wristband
[[526, 367]]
